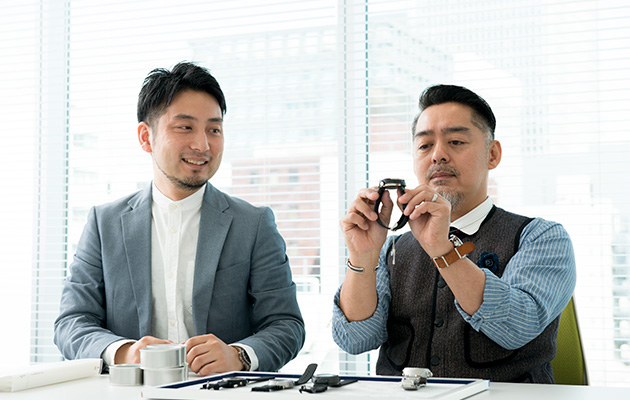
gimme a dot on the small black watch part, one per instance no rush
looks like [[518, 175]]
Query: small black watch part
[[225, 383], [281, 384], [233, 382], [327, 379]]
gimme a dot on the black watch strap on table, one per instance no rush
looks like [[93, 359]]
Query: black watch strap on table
[[307, 375], [281, 384]]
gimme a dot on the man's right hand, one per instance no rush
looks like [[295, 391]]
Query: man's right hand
[[129, 353], [364, 237]]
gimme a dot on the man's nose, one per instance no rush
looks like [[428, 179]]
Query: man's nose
[[440, 153], [200, 141]]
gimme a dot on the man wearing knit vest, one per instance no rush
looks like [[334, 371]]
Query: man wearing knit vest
[[472, 290]]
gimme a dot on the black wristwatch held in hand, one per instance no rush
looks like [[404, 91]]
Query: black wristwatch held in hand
[[387, 184]]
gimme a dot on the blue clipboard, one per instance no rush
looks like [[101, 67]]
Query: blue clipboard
[[366, 388]]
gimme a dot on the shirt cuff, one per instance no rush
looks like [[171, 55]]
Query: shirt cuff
[[109, 355], [251, 353], [495, 306], [356, 337]]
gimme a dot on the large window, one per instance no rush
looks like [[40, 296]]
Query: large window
[[320, 96]]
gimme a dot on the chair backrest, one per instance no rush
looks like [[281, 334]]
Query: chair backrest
[[569, 366]]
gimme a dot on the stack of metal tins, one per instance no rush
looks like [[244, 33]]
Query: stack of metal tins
[[163, 363]]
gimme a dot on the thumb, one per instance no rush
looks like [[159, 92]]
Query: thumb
[[387, 206]]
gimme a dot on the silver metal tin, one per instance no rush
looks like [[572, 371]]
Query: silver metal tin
[[163, 376], [163, 356], [125, 375]]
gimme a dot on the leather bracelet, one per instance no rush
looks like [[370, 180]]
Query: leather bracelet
[[358, 270], [459, 251]]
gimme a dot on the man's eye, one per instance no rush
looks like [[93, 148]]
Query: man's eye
[[423, 147], [456, 142]]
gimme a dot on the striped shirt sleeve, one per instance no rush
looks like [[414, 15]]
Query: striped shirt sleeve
[[360, 336], [537, 284]]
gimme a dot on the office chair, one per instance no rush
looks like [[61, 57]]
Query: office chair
[[569, 366]]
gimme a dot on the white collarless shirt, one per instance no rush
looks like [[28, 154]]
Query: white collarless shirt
[[174, 234], [470, 223]]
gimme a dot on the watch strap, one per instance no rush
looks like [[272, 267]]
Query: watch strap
[[243, 358], [457, 253], [307, 375]]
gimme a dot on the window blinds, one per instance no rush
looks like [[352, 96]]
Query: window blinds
[[320, 97]]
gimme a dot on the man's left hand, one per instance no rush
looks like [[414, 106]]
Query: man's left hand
[[207, 354], [429, 219]]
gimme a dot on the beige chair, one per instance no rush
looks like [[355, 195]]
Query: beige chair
[[569, 366]]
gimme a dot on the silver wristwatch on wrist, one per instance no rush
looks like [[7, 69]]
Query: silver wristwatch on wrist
[[244, 358]]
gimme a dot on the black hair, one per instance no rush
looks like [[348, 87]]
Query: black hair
[[161, 86], [483, 116]]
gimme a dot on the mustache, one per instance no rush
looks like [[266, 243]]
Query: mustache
[[434, 169]]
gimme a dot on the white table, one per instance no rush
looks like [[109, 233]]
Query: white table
[[98, 388]]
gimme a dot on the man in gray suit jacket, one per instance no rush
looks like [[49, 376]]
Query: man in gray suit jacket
[[180, 261]]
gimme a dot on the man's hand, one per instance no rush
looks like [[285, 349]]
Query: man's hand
[[364, 237], [429, 220], [129, 353], [207, 354]]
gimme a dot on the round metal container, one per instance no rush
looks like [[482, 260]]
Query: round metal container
[[163, 356], [162, 376], [125, 374]]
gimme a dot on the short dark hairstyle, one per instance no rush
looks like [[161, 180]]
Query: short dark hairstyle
[[161, 86], [483, 116]]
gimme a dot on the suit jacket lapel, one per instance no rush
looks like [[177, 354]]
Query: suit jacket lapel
[[213, 229], [136, 227]]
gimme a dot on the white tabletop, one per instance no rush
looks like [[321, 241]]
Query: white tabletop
[[98, 388]]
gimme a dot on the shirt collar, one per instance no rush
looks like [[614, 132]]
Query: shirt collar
[[189, 203], [470, 223]]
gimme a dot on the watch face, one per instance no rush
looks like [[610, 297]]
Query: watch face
[[456, 241], [327, 379]]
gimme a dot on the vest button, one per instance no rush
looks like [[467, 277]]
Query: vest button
[[439, 321], [435, 360], [441, 283]]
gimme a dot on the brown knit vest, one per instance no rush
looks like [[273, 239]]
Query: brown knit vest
[[425, 329]]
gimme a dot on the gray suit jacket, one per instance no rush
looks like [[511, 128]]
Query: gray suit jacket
[[242, 289]]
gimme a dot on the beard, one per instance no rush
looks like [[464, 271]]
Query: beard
[[189, 184], [453, 196]]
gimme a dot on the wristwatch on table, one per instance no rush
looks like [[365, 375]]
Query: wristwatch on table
[[459, 251]]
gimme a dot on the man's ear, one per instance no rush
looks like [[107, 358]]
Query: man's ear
[[144, 137], [494, 154]]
